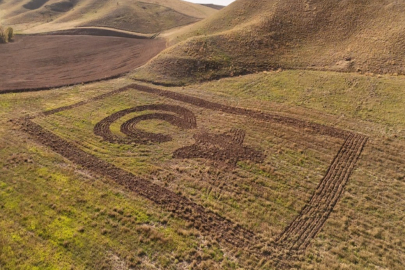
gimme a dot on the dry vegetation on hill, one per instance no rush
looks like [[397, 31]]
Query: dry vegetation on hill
[[213, 6], [147, 16], [249, 36], [6, 34]]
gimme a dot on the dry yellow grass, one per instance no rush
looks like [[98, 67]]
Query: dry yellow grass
[[154, 15], [249, 36]]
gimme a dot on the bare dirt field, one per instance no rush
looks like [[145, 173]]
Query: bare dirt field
[[48, 61]]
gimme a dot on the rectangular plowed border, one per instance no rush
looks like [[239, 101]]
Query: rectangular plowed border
[[292, 241]]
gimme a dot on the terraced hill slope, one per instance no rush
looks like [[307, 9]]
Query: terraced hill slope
[[249, 36], [147, 16]]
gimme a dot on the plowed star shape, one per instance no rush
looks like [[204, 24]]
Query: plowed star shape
[[226, 148]]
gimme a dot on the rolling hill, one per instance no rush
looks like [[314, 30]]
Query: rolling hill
[[214, 6], [148, 16], [250, 36]]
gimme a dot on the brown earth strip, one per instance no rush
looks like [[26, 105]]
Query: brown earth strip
[[33, 63], [296, 237]]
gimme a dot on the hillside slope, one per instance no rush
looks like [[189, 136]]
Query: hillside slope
[[147, 16], [250, 36], [213, 6]]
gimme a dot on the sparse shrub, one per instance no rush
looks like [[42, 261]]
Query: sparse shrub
[[3, 37], [10, 33], [6, 35]]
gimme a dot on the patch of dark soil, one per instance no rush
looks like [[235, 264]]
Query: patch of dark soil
[[226, 148]]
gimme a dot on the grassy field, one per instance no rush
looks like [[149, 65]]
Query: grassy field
[[365, 229], [56, 215]]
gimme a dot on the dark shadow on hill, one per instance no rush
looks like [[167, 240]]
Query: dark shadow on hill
[[35, 4], [63, 6]]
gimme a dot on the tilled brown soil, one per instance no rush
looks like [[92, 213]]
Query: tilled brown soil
[[186, 120], [47, 61], [226, 148], [295, 238]]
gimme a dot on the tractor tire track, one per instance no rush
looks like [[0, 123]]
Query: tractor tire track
[[297, 236]]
